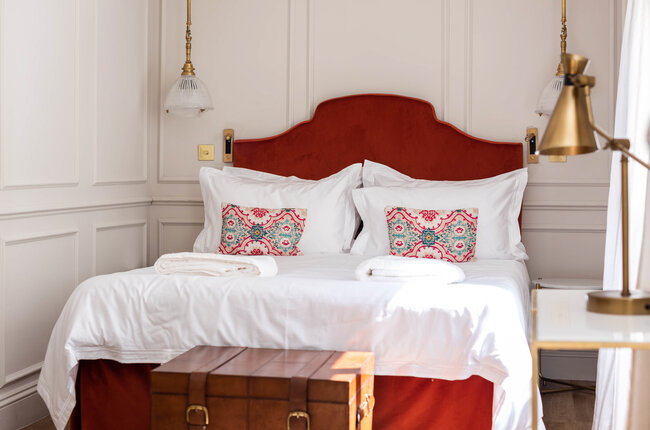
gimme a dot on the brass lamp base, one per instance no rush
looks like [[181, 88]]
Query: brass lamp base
[[612, 302]]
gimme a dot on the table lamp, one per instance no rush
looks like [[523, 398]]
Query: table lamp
[[571, 131]]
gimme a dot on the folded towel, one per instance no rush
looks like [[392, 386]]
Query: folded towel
[[390, 267], [208, 264]]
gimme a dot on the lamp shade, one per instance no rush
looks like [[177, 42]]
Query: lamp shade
[[548, 98], [188, 97], [569, 131]]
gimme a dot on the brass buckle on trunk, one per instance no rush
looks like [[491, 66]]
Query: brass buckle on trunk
[[198, 408], [298, 415], [365, 408]]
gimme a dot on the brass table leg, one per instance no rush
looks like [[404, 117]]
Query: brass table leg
[[535, 354]]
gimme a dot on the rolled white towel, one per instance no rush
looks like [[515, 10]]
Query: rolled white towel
[[390, 267], [209, 264]]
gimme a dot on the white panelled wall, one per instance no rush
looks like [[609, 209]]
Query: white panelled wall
[[94, 178], [74, 196]]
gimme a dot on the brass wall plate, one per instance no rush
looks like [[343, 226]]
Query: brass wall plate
[[228, 144], [206, 152], [531, 144], [557, 158]]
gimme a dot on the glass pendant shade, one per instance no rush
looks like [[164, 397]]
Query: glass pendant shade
[[548, 97], [569, 131], [551, 92], [188, 97]]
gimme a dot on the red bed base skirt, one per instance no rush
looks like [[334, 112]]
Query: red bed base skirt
[[111, 395]]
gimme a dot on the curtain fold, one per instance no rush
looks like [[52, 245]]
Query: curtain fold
[[623, 375]]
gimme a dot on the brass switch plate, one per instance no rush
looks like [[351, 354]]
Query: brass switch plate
[[228, 144], [531, 143], [206, 152], [557, 158]]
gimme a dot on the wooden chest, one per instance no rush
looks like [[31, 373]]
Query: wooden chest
[[230, 388]]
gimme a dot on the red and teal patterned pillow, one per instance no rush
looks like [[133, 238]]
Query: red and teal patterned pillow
[[260, 231], [448, 235]]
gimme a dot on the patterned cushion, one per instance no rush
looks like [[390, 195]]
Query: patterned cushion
[[260, 231], [448, 235]]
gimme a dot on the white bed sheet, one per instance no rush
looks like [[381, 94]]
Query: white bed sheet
[[447, 332]]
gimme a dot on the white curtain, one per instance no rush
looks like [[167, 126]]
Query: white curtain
[[622, 398]]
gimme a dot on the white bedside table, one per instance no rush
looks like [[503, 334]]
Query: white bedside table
[[563, 356], [560, 321], [568, 284]]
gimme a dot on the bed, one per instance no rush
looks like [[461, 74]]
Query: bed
[[438, 349]]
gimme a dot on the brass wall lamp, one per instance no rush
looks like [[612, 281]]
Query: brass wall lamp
[[572, 131]]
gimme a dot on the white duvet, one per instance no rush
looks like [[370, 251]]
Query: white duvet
[[477, 327]]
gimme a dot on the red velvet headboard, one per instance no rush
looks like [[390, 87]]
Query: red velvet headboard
[[401, 132]]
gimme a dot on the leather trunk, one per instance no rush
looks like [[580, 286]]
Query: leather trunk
[[257, 389]]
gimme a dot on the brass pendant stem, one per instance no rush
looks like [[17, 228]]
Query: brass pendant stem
[[625, 226], [188, 45], [563, 34], [188, 68], [564, 31]]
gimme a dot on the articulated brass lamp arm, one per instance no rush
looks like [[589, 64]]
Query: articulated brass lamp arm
[[623, 145]]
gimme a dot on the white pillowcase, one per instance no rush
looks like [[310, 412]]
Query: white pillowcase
[[380, 175], [352, 217], [330, 224], [498, 200], [242, 172]]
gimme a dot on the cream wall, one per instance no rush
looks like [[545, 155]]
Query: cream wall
[[481, 63], [74, 198], [94, 178]]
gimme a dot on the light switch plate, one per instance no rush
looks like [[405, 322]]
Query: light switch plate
[[557, 158], [206, 152]]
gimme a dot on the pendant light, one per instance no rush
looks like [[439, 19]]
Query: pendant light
[[189, 96], [550, 94]]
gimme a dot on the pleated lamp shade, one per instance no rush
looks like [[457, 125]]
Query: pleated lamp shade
[[188, 97], [549, 95], [551, 92]]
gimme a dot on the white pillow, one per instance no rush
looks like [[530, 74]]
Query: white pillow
[[498, 200], [242, 172], [380, 175], [352, 217], [330, 222]]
